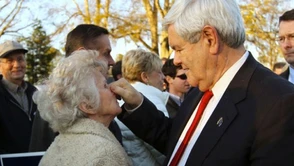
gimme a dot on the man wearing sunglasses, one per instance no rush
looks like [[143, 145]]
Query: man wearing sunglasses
[[177, 86]]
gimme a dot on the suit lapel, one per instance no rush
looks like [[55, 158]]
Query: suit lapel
[[224, 114], [285, 74], [185, 111], [172, 103], [220, 120]]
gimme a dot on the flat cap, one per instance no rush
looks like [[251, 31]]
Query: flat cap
[[10, 46]]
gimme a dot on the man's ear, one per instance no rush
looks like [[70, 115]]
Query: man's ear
[[119, 76], [212, 39], [144, 77], [0, 68], [169, 79], [86, 108]]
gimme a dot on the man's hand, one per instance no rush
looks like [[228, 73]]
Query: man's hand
[[128, 93]]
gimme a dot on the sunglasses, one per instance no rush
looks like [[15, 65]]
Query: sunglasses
[[182, 76]]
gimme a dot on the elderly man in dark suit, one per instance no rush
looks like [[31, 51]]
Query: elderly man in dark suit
[[249, 119], [286, 41]]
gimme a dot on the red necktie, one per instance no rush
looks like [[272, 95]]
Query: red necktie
[[204, 101]]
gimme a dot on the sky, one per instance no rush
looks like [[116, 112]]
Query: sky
[[40, 10]]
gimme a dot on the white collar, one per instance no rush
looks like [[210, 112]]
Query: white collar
[[221, 85], [291, 74]]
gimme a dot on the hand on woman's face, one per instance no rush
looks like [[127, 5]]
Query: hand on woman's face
[[108, 101], [127, 92]]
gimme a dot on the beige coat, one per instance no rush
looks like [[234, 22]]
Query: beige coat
[[85, 143]]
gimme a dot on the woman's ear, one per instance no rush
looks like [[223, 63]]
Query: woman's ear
[[144, 77], [86, 108]]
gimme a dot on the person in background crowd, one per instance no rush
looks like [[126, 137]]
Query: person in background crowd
[[279, 67], [244, 114], [177, 86], [83, 37], [79, 105], [16, 105], [116, 70], [140, 152], [163, 60], [143, 70], [286, 41]]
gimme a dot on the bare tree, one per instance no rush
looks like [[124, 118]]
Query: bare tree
[[128, 20], [261, 22], [9, 12], [143, 26]]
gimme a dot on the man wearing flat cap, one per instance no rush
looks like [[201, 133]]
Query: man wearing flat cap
[[16, 106]]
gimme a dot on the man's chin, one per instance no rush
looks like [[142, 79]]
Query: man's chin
[[18, 77], [290, 61]]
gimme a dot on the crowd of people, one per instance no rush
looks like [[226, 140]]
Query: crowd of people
[[213, 104]]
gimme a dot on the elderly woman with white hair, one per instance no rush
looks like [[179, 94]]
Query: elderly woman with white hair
[[78, 103]]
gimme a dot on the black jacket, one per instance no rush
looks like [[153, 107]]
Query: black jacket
[[172, 107], [15, 124], [286, 74]]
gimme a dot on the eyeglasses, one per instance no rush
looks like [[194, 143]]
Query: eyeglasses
[[182, 76], [289, 37], [10, 60]]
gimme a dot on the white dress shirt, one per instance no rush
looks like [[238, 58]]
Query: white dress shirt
[[177, 99], [218, 91]]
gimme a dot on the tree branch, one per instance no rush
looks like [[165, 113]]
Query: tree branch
[[10, 17]]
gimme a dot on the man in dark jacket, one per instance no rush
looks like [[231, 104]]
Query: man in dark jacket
[[177, 86], [286, 41], [17, 108]]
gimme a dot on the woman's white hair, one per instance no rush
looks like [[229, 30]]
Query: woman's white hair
[[190, 16], [71, 82]]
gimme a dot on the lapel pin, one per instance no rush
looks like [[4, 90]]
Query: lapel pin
[[220, 122]]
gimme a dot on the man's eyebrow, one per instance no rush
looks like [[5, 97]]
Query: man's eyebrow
[[106, 51], [288, 34], [173, 47]]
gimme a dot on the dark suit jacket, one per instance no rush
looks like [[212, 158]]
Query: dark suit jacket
[[285, 74], [172, 107], [15, 124], [258, 122]]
